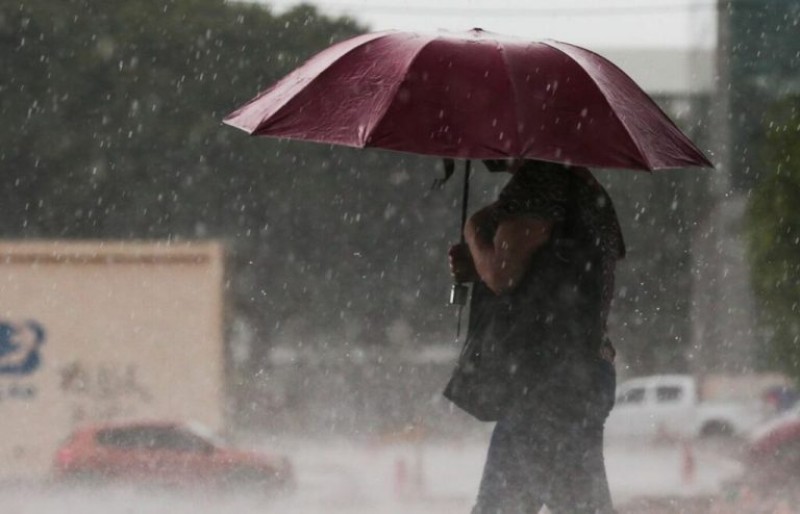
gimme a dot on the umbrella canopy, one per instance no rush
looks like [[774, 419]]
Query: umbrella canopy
[[475, 95]]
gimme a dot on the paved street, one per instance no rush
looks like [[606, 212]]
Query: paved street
[[392, 478]]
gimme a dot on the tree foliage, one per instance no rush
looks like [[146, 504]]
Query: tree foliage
[[764, 67], [112, 129], [774, 234]]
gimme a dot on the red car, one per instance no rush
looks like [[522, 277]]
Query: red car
[[774, 451], [165, 454], [771, 468]]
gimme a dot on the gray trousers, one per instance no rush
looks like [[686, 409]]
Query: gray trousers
[[548, 450]]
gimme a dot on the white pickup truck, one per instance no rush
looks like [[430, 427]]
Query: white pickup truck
[[671, 406]]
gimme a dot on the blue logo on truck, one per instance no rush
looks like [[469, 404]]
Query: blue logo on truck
[[19, 347]]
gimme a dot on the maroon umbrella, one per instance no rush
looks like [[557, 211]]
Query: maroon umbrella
[[475, 95]]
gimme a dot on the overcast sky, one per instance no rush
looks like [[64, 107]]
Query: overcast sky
[[597, 23]]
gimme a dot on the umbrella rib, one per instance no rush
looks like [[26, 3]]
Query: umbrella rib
[[666, 118], [514, 93], [229, 119], [642, 155], [395, 88]]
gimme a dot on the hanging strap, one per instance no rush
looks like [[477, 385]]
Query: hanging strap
[[449, 169]]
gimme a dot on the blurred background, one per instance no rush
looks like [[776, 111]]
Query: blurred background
[[155, 263]]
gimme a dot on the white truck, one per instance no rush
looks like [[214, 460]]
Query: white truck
[[105, 331], [675, 406]]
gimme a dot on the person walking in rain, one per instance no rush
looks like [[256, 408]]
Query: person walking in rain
[[542, 260]]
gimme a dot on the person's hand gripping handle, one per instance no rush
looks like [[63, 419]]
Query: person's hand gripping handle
[[463, 271]]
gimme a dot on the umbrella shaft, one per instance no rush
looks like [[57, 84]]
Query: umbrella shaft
[[459, 293], [465, 198]]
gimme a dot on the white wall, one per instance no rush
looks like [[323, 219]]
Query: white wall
[[121, 331]]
